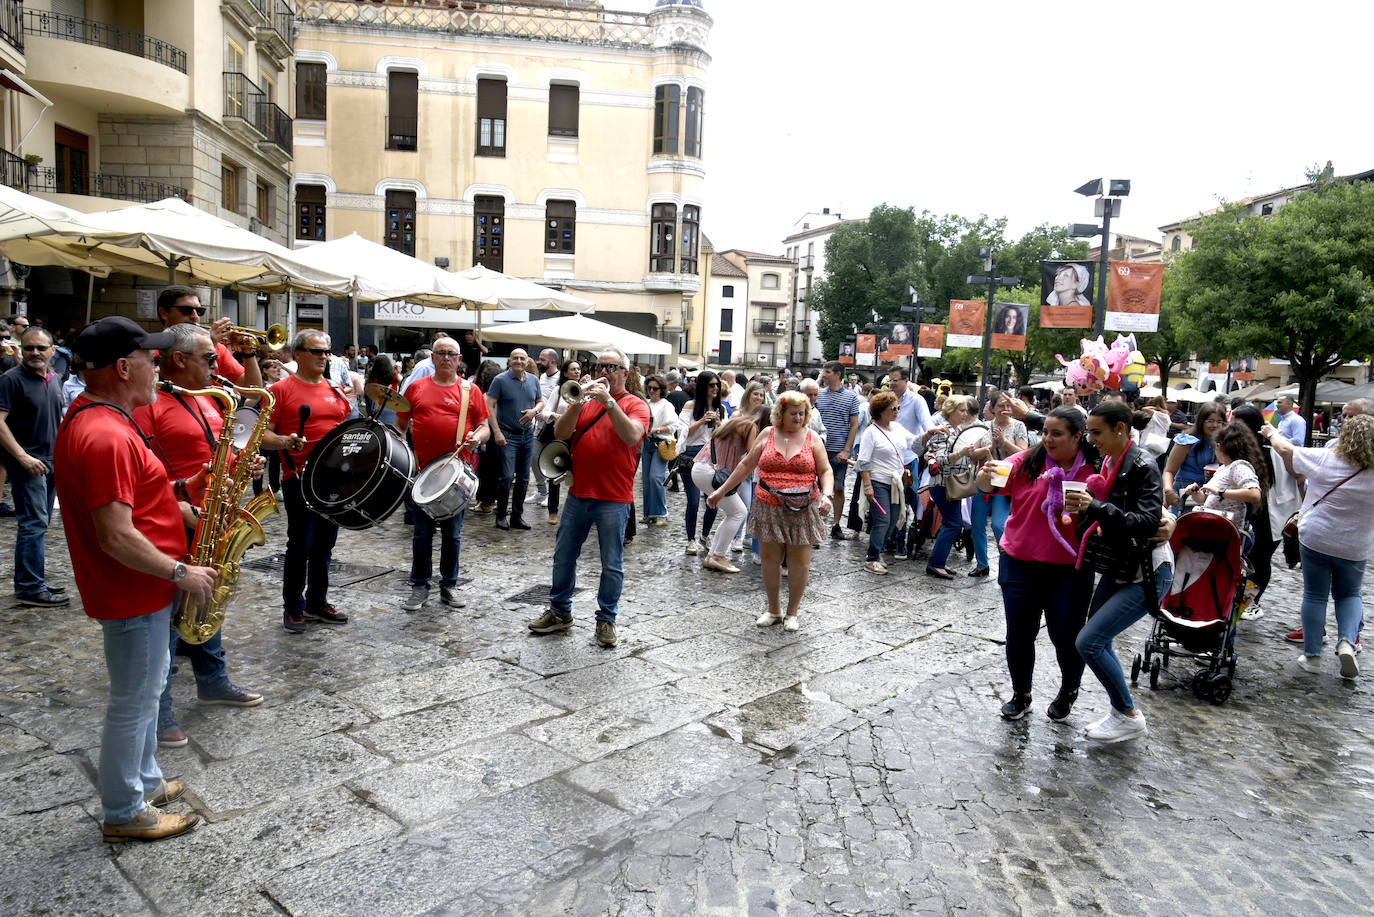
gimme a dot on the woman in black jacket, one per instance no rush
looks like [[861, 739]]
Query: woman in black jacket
[[1122, 507]]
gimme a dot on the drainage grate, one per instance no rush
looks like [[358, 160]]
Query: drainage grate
[[537, 595], [340, 574]]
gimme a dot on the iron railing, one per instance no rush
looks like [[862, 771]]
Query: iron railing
[[283, 21], [756, 360], [582, 24], [98, 184], [402, 133], [90, 32], [770, 326], [15, 170], [245, 101], [277, 126], [12, 22]]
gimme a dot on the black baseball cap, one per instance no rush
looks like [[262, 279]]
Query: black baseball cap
[[108, 339]]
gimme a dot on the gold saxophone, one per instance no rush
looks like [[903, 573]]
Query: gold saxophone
[[226, 530]]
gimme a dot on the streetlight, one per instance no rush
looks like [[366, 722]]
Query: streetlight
[[1107, 205]]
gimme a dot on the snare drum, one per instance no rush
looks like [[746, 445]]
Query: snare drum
[[444, 489], [358, 473]]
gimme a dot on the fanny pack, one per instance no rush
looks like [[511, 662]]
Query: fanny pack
[[793, 499]]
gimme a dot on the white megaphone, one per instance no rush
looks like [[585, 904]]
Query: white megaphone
[[555, 461]]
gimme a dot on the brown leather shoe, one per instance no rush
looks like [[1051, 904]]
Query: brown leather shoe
[[152, 824], [169, 791]]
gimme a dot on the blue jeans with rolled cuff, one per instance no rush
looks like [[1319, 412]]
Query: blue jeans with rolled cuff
[[574, 525]]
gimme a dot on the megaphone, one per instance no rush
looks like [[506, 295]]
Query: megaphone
[[555, 461]]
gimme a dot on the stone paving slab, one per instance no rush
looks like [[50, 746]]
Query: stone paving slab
[[423, 733], [239, 731], [425, 687], [598, 730], [42, 783], [585, 687], [781, 719], [70, 886], [697, 654], [282, 772], [571, 650]]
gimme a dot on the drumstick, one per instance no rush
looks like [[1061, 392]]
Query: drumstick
[[304, 414]]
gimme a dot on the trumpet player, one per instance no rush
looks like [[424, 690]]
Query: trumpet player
[[438, 404], [178, 305], [184, 429], [126, 537]]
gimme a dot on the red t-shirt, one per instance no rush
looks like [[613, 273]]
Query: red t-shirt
[[607, 464], [228, 367], [433, 414], [327, 410], [100, 459], [184, 431]]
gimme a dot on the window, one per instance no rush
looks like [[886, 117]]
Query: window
[[727, 320], [770, 282], [691, 221], [489, 216], [310, 91], [695, 100], [235, 93], [403, 109], [724, 356], [663, 220], [667, 101], [233, 55], [268, 86], [727, 292], [229, 185], [1176, 244], [560, 219], [310, 212], [563, 110], [264, 202], [491, 117], [1266, 210], [400, 221], [72, 169]]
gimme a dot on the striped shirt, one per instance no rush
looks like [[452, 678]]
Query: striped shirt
[[836, 408]]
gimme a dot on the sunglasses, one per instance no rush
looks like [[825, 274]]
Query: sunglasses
[[654, 388], [713, 385], [317, 351], [35, 348], [608, 367], [192, 310], [210, 358]]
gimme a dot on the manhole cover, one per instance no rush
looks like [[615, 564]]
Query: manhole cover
[[537, 595], [340, 574]]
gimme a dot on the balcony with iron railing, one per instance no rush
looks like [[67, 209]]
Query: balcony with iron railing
[[102, 35], [276, 33], [15, 170], [580, 24], [755, 360], [12, 23], [770, 326], [277, 127], [44, 180], [248, 112]]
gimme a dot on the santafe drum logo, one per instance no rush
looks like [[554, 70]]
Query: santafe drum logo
[[353, 443]]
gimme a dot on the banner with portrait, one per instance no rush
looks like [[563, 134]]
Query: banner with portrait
[[894, 342], [866, 348], [931, 341], [966, 323], [846, 353], [1133, 292], [1009, 325], [1066, 290]]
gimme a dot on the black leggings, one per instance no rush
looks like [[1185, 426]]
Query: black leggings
[[1060, 593], [1262, 551]]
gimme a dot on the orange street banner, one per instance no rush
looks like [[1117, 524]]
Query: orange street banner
[[1009, 326], [1133, 296], [894, 342], [931, 341], [1066, 289], [966, 323], [847, 353], [867, 350]]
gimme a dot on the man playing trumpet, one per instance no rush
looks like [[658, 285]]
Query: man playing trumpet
[[178, 305]]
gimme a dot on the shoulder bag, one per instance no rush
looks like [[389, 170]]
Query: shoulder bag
[[1290, 528], [961, 475], [720, 475]]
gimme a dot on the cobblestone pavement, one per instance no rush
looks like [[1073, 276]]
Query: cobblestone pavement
[[445, 762]]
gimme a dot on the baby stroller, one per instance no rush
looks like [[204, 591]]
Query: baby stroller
[[1197, 619]]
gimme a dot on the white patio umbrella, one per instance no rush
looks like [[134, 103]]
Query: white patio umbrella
[[24, 215], [514, 293], [577, 332]]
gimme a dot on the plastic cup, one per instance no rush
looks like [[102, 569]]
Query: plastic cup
[[1001, 472], [1210, 470], [1072, 486]]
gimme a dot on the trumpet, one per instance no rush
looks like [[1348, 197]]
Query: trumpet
[[274, 337], [571, 391]]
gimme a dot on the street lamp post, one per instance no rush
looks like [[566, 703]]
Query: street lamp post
[[1107, 205], [993, 282]]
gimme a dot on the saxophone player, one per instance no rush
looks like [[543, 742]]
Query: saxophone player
[[184, 429], [126, 538]]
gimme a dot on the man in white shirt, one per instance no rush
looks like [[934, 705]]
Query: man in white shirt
[[731, 391], [548, 364]]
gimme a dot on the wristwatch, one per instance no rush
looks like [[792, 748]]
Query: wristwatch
[[179, 572]]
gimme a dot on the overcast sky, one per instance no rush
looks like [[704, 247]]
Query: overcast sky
[[997, 107]]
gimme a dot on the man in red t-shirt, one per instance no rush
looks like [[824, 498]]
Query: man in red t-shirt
[[185, 430], [178, 305], [126, 535], [605, 430], [438, 403], [308, 406]]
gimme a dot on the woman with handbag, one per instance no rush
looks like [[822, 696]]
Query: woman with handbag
[[880, 472], [1335, 537], [755, 400], [711, 467], [944, 462], [699, 417], [1006, 436], [1119, 512], [660, 451], [1038, 572], [792, 502]]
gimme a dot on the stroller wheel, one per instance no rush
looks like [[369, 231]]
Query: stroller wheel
[[1219, 688], [1201, 684], [1154, 675], [1135, 669]]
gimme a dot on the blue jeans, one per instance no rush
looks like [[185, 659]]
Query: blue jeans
[[422, 548], [693, 495], [997, 507], [136, 659], [309, 545], [207, 661], [1322, 576], [1060, 593], [655, 471], [515, 469], [33, 502], [1115, 607], [574, 524], [882, 521], [951, 524]]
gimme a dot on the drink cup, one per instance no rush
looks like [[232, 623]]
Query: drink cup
[[1073, 486], [1001, 472], [1210, 470]]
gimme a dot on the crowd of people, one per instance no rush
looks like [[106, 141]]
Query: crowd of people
[[1081, 502]]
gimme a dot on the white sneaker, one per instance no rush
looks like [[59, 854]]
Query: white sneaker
[[876, 566], [1310, 663], [1346, 654], [1253, 613], [1117, 727], [692, 548], [767, 619], [758, 561]]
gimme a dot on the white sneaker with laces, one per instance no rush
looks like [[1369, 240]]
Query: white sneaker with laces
[[1117, 727], [1346, 654], [691, 547], [1253, 613], [1310, 663]]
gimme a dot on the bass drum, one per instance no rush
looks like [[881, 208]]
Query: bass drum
[[445, 488], [358, 473]]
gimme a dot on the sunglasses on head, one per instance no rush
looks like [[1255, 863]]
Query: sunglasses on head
[[192, 310]]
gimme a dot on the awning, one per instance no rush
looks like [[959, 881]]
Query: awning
[[14, 81]]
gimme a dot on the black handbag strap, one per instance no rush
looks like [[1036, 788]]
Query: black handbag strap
[[1333, 488]]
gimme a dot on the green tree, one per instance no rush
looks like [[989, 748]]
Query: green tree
[[1297, 285], [869, 266], [1166, 346]]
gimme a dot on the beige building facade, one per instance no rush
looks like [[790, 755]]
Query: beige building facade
[[557, 142]]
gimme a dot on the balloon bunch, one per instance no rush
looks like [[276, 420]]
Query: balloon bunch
[[942, 386], [1098, 366]]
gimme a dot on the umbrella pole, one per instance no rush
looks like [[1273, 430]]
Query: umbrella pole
[[90, 291], [353, 317]]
